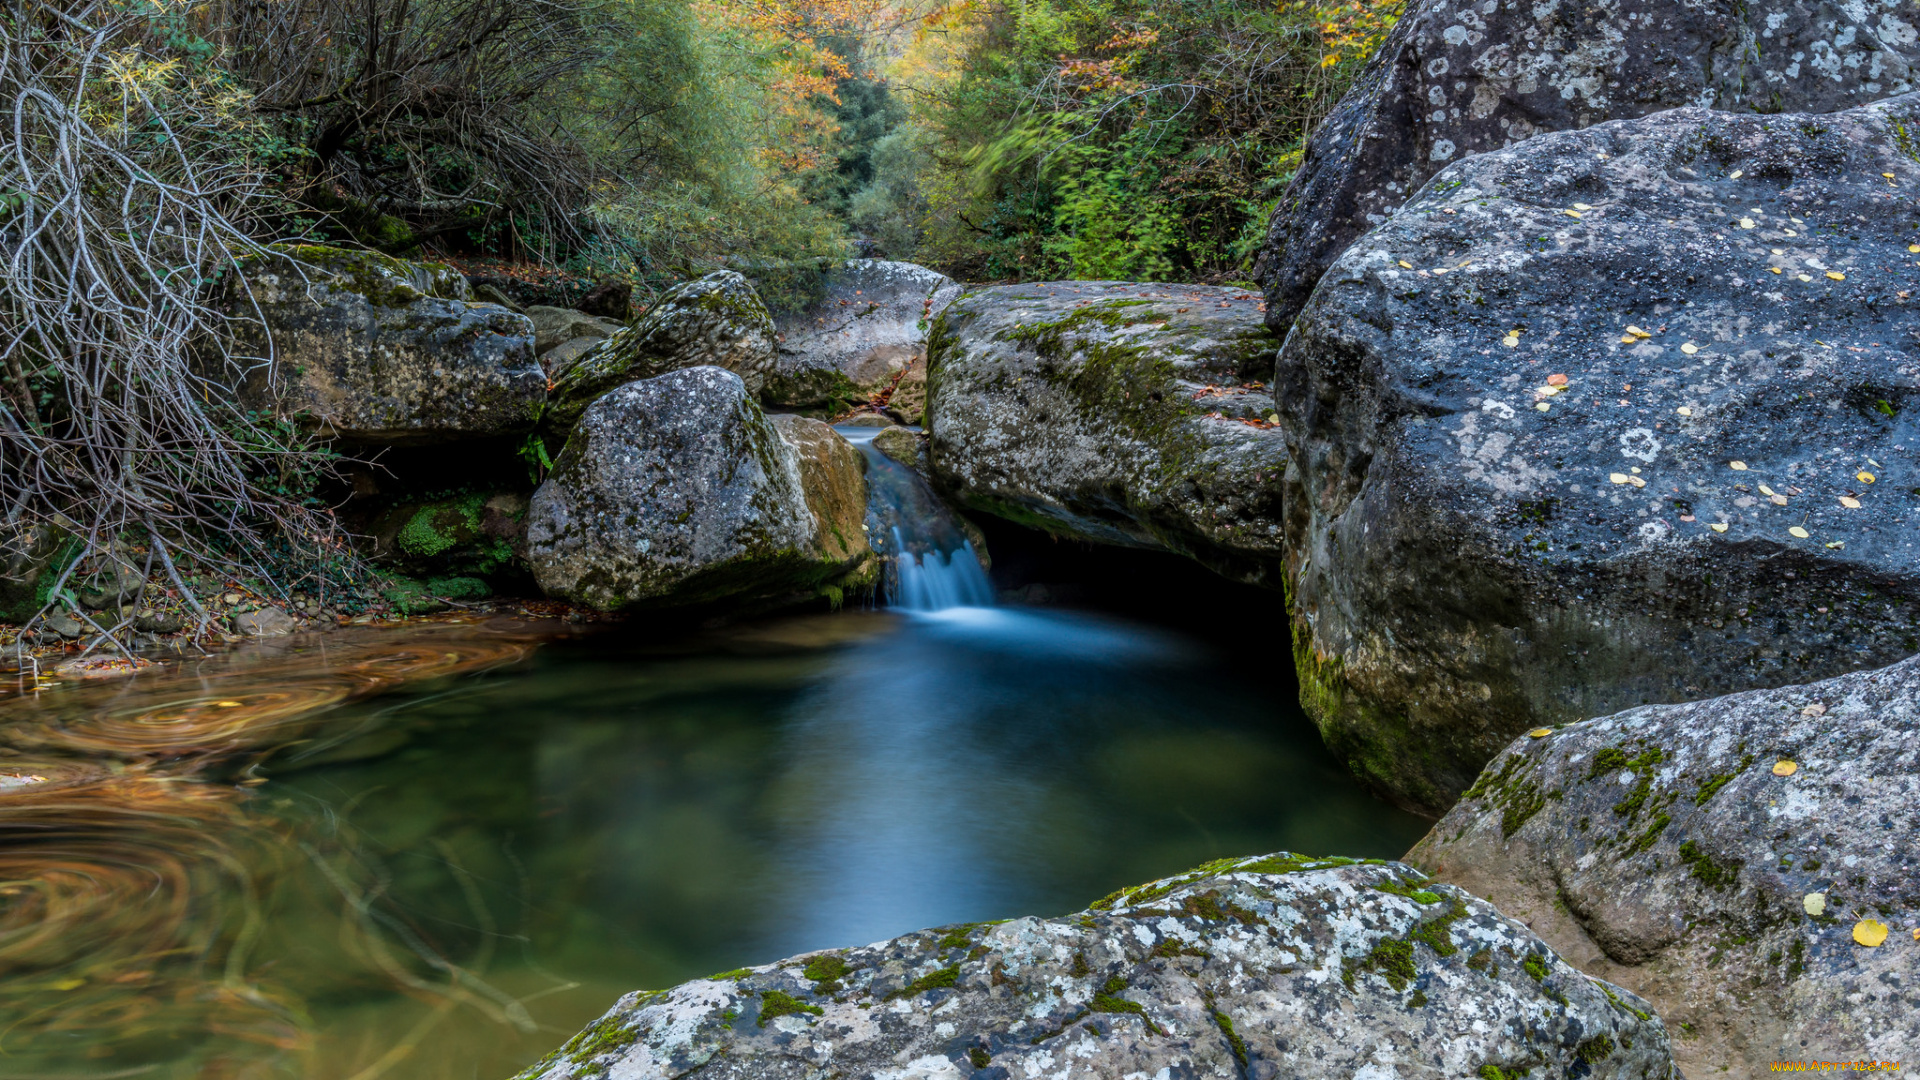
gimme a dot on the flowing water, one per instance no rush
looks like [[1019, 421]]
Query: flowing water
[[433, 853]]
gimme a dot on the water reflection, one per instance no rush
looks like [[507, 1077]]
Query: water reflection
[[200, 878]]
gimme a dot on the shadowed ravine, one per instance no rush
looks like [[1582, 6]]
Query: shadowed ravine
[[435, 851]]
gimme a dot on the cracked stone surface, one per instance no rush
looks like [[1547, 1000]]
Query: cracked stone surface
[[867, 327], [370, 349], [1611, 417], [1264, 967], [1661, 849], [1461, 77], [1115, 412]]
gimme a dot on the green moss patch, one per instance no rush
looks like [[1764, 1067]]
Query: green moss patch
[[776, 1003]]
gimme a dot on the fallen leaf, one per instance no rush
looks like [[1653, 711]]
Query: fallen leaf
[[1556, 380], [1836, 275], [1543, 406], [1620, 478], [1684, 411], [1870, 932], [1802, 277], [1914, 248], [1777, 500], [1540, 732], [1835, 544], [1784, 767], [1815, 903], [1849, 502], [1734, 175], [1888, 175], [1863, 476], [1406, 264], [1774, 270], [1767, 491], [1716, 527], [1636, 481], [1575, 214], [1548, 390], [1581, 206], [1815, 709], [1797, 531], [1746, 223], [1510, 341], [1737, 466], [1689, 348]]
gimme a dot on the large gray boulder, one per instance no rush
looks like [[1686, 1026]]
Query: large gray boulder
[[1612, 417], [678, 490], [1735, 861], [1456, 78], [372, 349], [863, 331], [1264, 967], [1114, 412], [716, 321]]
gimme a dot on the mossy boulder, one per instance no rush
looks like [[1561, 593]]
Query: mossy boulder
[[1611, 417], [1114, 412], [1280, 965], [473, 534], [715, 321], [371, 349], [32, 558], [1455, 79], [862, 330], [678, 490], [1721, 859]]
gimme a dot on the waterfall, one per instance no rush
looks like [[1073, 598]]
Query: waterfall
[[931, 565]]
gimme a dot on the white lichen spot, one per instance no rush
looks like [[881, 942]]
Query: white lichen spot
[[1639, 443]]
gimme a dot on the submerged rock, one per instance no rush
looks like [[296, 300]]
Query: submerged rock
[[678, 490], [1616, 416], [1276, 966], [1735, 861], [716, 321], [371, 349], [1455, 79], [1114, 412], [864, 331]]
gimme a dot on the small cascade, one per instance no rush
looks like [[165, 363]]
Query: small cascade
[[931, 565]]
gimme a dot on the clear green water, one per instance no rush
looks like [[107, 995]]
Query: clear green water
[[448, 880]]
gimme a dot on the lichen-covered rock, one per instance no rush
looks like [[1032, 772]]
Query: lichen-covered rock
[[904, 446], [1612, 417], [833, 481], [371, 349], [1114, 412], [1265, 967], [715, 321], [865, 329], [31, 559], [1461, 77], [561, 336], [678, 490], [1663, 849]]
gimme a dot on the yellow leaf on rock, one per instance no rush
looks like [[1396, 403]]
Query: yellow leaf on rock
[[1774, 270], [1629, 339], [1510, 342], [1914, 248], [1405, 264], [1801, 277], [1734, 175], [1863, 476], [1716, 527], [1849, 502], [1746, 223], [1737, 466], [1815, 903], [1543, 406], [1870, 932], [1836, 275], [1620, 478], [1785, 768], [1689, 348], [1797, 531], [1888, 175], [1767, 491], [1581, 206], [1636, 481], [1540, 732], [1684, 411], [1575, 214]]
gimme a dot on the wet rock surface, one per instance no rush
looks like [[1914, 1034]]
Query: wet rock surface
[[1663, 849], [678, 490], [716, 321], [1264, 967], [1612, 417], [1114, 412], [371, 349], [866, 330], [1455, 79]]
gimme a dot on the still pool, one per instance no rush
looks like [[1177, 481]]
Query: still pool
[[435, 853]]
